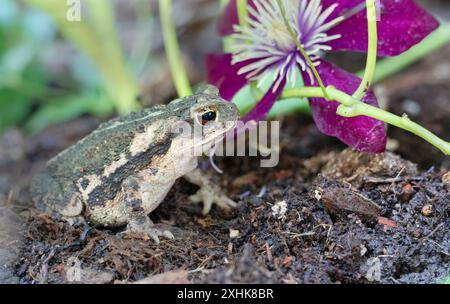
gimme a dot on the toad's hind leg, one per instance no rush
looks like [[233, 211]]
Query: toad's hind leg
[[54, 197], [138, 204]]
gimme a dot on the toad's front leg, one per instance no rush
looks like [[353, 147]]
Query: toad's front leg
[[208, 193], [141, 196]]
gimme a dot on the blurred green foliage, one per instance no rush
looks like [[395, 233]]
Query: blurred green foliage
[[34, 91], [22, 79]]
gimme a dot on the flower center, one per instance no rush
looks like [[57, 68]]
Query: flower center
[[269, 47]]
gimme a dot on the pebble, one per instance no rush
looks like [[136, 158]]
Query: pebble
[[234, 233], [427, 210], [279, 209], [446, 178], [407, 193]]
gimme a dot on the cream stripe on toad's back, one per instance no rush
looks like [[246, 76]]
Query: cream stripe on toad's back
[[115, 165], [92, 181], [142, 141]]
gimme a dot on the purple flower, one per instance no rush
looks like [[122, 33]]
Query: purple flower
[[265, 49]]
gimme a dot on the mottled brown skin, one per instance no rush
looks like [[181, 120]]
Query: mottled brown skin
[[123, 170]]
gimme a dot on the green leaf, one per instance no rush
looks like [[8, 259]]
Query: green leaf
[[105, 51], [13, 109], [67, 108]]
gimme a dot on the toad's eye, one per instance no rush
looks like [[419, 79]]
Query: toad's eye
[[208, 116]]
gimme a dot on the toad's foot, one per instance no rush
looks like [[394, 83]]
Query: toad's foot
[[145, 226], [209, 193], [138, 204], [74, 220]]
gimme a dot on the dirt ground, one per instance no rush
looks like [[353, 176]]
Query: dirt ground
[[325, 214]]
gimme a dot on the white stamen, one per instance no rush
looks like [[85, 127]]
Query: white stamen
[[267, 40]]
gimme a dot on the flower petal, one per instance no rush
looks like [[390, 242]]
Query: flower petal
[[342, 6], [259, 112], [403, 24], [228, 18], [224, 75], [363, 133]]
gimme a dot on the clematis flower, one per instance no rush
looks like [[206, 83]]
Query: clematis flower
[[266, 49]]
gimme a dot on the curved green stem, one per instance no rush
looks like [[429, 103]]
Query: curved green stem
[[172, 47], [289, 106], [302, 92], [371, 52], [351, 107], [300, 48]]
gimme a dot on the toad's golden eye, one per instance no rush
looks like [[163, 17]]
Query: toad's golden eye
[[208, 116]]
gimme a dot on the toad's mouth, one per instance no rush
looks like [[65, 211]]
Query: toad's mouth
[[216, 136]]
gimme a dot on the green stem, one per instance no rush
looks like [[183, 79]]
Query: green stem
[[289, 107], [308, 92], [371, 52], [390, 66], [300, 48], [351, 107], [172, 47]]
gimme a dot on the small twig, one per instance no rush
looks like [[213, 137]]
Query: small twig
[[425, 238], [329, 227], [268, 252], [382, 180], [443, 251], [43, 274], [367, 200], [398, 175], [230, 248], [299, 235], [205, 262]]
